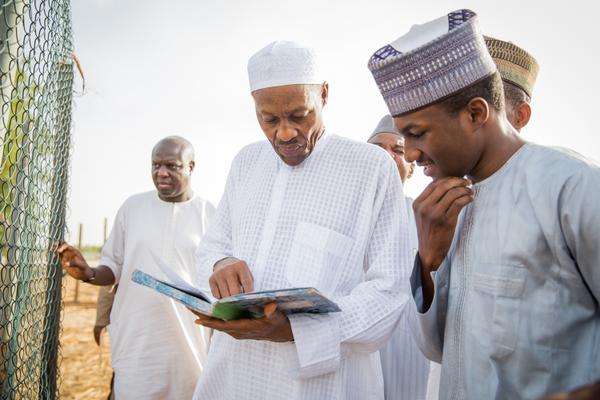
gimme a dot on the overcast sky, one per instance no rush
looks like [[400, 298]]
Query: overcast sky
[[157, 68]]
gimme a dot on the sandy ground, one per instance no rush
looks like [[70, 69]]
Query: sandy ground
[[85, 368]]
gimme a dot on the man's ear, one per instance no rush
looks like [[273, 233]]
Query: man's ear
[[478, 111], [192, 166], [324, 93], [522, 114]]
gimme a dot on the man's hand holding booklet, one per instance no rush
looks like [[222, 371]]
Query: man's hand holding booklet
[[245, 305], [254, 315]]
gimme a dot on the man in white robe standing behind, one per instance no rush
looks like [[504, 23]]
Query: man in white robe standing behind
[[407, 374], [304, 208], [506, 284], [157, 351]]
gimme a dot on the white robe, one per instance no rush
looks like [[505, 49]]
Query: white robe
[[333, 222], [406, 371], [157, 351], [515, 313]]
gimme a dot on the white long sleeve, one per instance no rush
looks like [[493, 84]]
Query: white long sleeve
[[334, 223], [428, 327]]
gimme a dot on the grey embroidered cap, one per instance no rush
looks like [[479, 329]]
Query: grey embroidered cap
[[431, 62], [385, 125]]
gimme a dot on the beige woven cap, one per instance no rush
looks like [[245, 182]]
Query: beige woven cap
[[514, 64]]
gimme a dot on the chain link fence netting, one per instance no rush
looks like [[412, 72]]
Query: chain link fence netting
[[36, 78]]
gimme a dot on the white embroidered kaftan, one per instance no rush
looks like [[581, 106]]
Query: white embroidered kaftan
[[333, 222], [157, 351]]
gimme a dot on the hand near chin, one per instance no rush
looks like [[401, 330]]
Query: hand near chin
[[436, 214]]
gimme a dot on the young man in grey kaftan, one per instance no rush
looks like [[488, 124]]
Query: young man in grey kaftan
[[507, 279]]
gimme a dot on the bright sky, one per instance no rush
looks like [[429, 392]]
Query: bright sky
[[156, 68]]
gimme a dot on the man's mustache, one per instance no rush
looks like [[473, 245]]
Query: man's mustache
[[293, 142]]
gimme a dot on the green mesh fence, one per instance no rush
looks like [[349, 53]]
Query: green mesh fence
[[36, 78]]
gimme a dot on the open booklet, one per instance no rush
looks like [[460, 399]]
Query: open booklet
[[245, 305]]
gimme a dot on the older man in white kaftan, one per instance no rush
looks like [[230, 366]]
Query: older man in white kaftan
[[304, 208], [506, 294], [157, 351]]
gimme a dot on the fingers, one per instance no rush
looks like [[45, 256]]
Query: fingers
[[247, 280], [65, 247], [255, 328], [65, 261], [62, 247], [451, 195], [215, 323], [214, 288], [74, 263], [70, 257], [226, 326], [201, 317], [234, 284], [220, 280], [444, 185], [203, 321], [436, 189], [441, 194], [231, 278], [218, 285], [457, 205], [270, 309], [210, 323]]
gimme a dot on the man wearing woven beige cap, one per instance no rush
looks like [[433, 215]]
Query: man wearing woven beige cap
[[506, 282], [519, 71], [304, 208]]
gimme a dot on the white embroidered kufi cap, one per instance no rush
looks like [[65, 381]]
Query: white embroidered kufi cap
[[431, 62], [283, 63]]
